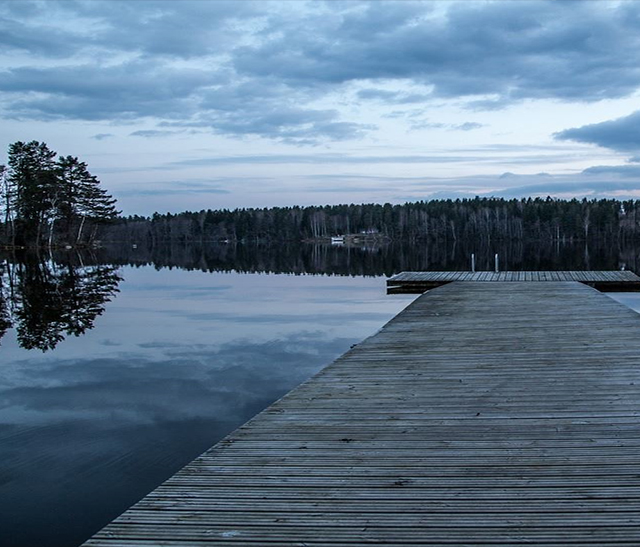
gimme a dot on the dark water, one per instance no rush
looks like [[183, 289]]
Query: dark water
[[379, 260], [152, 355], [176, 360]]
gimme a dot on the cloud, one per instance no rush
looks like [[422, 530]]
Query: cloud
[[619, 170], [320, 159], [489, 104], [175, 188], [271, 109], [255, 69], [393, 97], [288, 123], [149, 27], [622, 134], [150, 133], [143, 65], [416, 124], [157, 27], [23, 29], [596, 183], [467, 126], [576, 187], [510, 51], [129, 90], [102, 136], [184, 97], [425, 124], [381, 94]]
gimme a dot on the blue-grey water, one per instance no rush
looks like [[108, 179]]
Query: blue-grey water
[[144, 367], [177, 360]]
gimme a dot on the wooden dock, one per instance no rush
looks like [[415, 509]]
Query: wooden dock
[[503, 413], [606, 280]]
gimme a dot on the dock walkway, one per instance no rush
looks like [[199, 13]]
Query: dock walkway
[[607, 280], [503, 413]]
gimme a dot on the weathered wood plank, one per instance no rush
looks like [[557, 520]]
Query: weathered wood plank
[[603, 280], [501, 413]]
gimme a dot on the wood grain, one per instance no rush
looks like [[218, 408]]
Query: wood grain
[[418, 282]]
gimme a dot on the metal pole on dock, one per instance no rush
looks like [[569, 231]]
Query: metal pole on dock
[[497, 266], [473, 262]]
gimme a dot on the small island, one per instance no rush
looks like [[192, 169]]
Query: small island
[[50, 200]]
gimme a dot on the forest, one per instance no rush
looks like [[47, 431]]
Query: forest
[[478, 219], [49, 201]]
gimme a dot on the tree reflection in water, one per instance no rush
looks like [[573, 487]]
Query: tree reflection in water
[[49, 299], [46, 301]]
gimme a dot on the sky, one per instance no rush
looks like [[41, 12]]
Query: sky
[[190, 105]]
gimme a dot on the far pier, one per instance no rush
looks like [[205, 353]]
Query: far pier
[[605, 281], [494, 412]]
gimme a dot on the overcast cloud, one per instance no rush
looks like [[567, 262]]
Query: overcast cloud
[[140, 89], [622, 134]]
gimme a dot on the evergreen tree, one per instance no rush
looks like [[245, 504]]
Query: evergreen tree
[[6, 200], [39, 191], [82, 197], [32, 183]]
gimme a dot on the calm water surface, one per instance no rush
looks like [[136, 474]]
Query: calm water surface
[[168, 361], [177, 360]]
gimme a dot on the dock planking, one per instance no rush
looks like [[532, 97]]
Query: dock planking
[[604, 280], [503, 413]]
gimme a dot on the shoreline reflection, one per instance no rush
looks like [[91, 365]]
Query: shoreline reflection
[[46, 301]]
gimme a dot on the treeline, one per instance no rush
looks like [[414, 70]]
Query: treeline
[[479, 219], [50, 200]]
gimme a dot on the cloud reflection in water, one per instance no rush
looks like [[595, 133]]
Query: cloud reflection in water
[[178, 360]]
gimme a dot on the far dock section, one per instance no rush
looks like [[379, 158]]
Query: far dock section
[[606, 281], [504, 413]]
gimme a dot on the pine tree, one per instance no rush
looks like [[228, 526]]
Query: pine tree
[[95, 204], [32, 178], [82, 196], [6, 200]]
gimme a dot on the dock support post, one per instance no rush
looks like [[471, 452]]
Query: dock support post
[[473, 262], [497, 266]]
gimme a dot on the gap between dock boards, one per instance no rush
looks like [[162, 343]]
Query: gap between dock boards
[[503, 413]]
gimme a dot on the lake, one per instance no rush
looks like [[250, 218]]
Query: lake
[[177, 360], [121, 366]]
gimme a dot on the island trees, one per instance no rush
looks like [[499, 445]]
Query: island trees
[[48, 198]]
